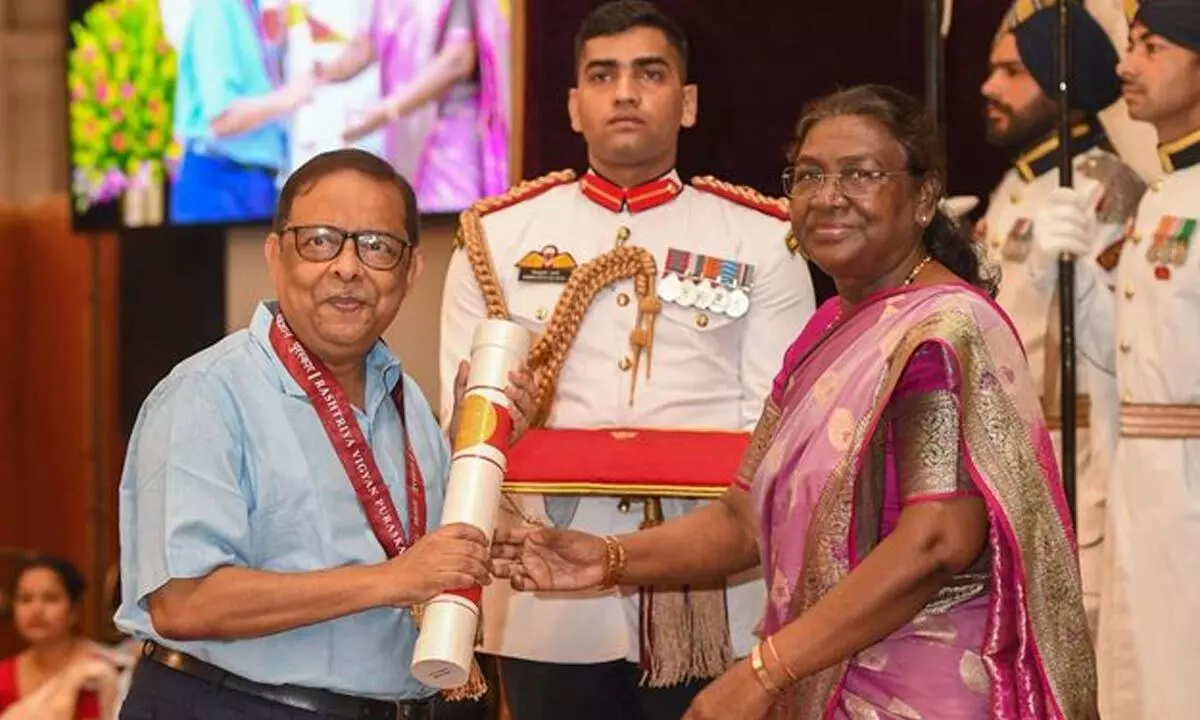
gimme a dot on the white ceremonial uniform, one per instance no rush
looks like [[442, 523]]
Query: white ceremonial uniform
[[1028, 296], [709, 371], [1150, 618]]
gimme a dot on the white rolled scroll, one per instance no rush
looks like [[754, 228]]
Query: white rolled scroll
[[446, 644]]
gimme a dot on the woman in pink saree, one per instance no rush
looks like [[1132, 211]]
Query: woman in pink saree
[[444, 76], [900, 489]]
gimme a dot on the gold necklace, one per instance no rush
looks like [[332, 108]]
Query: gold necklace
[[917, 270]]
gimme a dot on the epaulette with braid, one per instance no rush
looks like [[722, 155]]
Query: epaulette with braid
[[523, 191], [745, 196], [776, 207], [470, 234]]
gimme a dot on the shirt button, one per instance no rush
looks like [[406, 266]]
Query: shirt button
[[1125, 347], [622, 299], [623, 234], [540, 313], [1136, 238], [1156, 186], [625, 363], [1129, 291], [702, 320], [1014, 198]]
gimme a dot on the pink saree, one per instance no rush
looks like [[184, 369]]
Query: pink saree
[[922, 394], [454, 150]]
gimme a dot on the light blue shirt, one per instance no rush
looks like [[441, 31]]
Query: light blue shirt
[[229, 465], [220, 60]]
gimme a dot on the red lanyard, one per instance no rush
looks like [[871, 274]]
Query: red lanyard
[[337, 416]]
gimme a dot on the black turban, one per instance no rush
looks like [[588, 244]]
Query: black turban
[[1094, 84], [1176, 20]]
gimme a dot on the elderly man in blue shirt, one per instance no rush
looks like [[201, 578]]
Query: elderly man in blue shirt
[[230, 116], [277, 484]]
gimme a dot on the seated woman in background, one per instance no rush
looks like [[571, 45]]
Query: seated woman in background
[[60, 676], [900, 490]]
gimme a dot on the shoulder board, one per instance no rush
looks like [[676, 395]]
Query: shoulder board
[[776, 207], [523, 191], [1123, 188]]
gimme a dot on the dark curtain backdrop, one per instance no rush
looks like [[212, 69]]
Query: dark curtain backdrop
[[757, 62]]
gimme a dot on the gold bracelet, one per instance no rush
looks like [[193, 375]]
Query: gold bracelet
[[779, 659], [760, 670], [614, 562]]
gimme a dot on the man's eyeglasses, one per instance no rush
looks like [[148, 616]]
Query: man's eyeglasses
[[806, 182], [376, 249]]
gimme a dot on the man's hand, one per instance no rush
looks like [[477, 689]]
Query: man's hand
[[521, 393], [450, 558], [1065, 224]]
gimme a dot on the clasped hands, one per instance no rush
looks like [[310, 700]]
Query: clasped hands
[[458, 556], [548, 559]]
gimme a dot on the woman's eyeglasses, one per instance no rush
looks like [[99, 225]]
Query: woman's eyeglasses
[[806, 182], [376, 249]]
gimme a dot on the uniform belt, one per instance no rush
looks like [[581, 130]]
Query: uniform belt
[[1173, 422], [323, 702], [1053, 412]]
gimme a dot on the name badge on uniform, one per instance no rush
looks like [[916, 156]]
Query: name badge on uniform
[[1172, 241], [1019, 241], [548, 265], [706, 283]]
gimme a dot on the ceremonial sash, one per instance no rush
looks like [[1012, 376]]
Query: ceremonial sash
[[625, 462], [337, 417]]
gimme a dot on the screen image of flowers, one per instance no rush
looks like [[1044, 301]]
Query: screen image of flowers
[[121, 80]]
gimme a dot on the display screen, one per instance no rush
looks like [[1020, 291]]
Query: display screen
[[194, 112]]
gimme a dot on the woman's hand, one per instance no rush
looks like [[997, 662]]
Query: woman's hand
[[371, 120], [549, 559], [736, 695], [91, 672]]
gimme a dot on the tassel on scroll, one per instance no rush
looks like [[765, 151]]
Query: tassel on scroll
[[685, 631]]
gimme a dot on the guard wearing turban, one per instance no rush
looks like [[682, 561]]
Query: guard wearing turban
[[1147, 332], [1022, 112]]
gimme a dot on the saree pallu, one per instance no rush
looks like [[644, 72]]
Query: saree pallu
[[454, 150], [1007, 639]]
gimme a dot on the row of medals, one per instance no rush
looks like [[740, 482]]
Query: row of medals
[[704, 294]]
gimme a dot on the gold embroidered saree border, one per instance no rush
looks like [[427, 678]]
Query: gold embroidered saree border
[[1002, 451]]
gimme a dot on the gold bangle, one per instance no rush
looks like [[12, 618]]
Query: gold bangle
[[614, 562], [779, 659], [760, 670]]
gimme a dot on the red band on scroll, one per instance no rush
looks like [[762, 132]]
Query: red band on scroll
[[482, 422], [473, 595], [678, 463]]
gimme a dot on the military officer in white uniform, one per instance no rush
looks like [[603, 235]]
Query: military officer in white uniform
[[1021, 116], [699, 351], [1146, 324]]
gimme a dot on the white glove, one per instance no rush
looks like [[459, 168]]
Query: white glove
[[958, 206], [1065, 224]]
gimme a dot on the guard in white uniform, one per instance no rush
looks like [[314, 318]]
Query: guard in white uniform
[[662, 308], [1021, 115], [1147, 326]]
